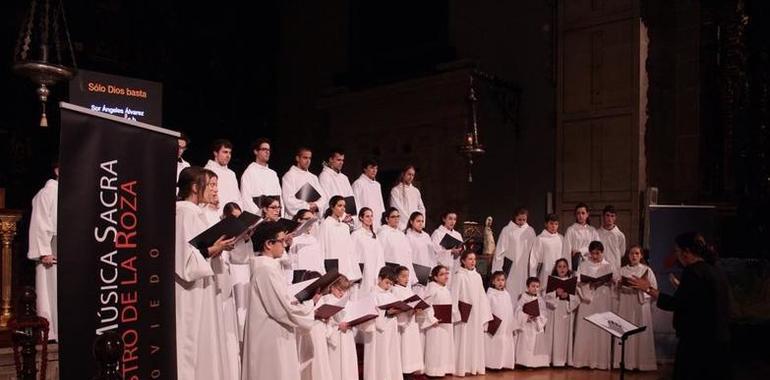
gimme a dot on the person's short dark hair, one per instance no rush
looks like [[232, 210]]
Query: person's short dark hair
[[268, 230], [446, 213], [609, 209], [495, 274], [520, 211], [218, 144], [434, 272], [385, 272], [551, 218], [367, 162], [334, 151], [258, 142], [301, 149], [386, 213], [183, 136], [596, 245], [582, 205], [532, 279], [267, 200], [695, 243]]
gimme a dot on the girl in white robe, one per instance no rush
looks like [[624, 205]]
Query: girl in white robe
[[500, 348], [439, 337], [424, 251], [516, 241], [306, 252], [532, 348], [340, 338], [334, 235], [449, 258], [560, 312], [394, 242], [312, 349], [274, 316], [408, 330], [468, 289], [405, 197], [42, 249], [634, 306], [382, 347], [592, 344], [369, 250], [199, 328], [579, 235]]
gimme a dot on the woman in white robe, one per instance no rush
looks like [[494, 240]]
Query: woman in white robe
[[394, 242], [532, 348], [560, 312], [592, 344], [500, 348], [369, 250], [199, 329], [579, 235], [340, 337], [439, 337], [306, 252], [274, 316], [449, 258], [467, 287], [634, 306], [516, 241], [42, 250], [334, 235], [408, 329], [405, 197], [382, 348]]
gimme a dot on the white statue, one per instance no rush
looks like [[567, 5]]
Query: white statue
[[489, 238]]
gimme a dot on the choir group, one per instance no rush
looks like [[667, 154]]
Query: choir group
[[412, 301]]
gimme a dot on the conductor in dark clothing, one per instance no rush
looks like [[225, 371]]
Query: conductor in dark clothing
[[701, 307]]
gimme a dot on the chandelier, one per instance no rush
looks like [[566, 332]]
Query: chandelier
[[471, 147]]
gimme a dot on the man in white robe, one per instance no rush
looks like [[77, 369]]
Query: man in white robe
[[548, 248], [297, 176], [270, 346], [368, 192], [42, 250], [515, 242], [258, 179], [228, 183], [613, 239], [406, 198], [332, 180]]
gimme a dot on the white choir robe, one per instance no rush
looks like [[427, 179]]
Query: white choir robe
[[307, 254], [406, 199], [336, 243], [340, 345], [469, 336], [200, 340], [291, 182], [368, 193], [335, 183], [439, 337], [444, 256], [382, 347], [548, 248], [559, 330], [270, 346], [634, 306], [423, 248], [614, 242], [500, 349], [397, 249], [227, 184], [532, 346], [577, 238], [313, 351], [371, 255], [258, 180], [42, 242], [516, 243], [409, 334], [592, 344]]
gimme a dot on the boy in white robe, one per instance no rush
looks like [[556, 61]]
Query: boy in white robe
[[560, 312], [312, 347], [382, 347], [408, 329], [516, 241], [297, 177], [532, 348], [500, 348], [406, 198], [613, 239], [368, 192], [270, 347], [634, 306], [340, 337], [258, 179], [228, 183], [468, 289], [42, 250], [548, 248], [439, 335]]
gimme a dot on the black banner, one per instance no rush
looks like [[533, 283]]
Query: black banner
[[128, 98], [116, 243]]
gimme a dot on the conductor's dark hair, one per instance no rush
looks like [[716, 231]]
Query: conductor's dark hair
[[221, 143], [695, 243], [258, 142], [386, 213], [190, 177], [267, 231], [595, 245], [368, 161], [532, 279]]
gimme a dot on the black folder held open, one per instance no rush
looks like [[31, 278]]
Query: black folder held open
[[307, 193], [229, 227]]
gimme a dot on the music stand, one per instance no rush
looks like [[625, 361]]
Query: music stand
[[619, 328]]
